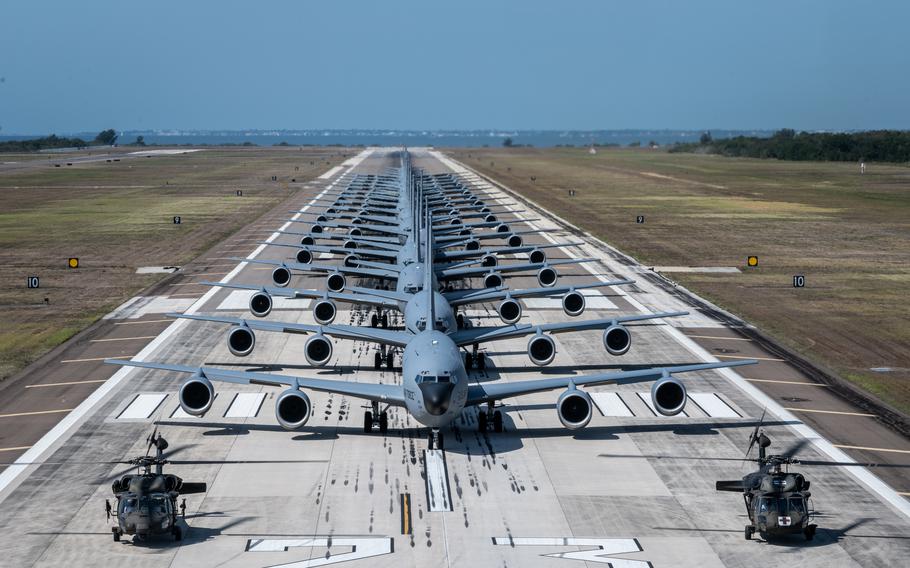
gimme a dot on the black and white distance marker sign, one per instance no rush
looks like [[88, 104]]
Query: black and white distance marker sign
[[640, 219], [799, 281], [239, 193], [33, 282], [177, 219]]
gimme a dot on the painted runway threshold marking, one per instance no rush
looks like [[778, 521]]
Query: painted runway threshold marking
[[361, 547], [603, 554]]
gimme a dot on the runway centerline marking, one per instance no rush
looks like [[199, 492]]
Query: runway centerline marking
[[96, 359], [65, 383], [122, 339], [841, 413], [35, 413]]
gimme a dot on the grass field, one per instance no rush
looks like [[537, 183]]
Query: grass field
[[848, 234], [115, 217]]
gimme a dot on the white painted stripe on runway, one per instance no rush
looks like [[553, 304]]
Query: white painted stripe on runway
[[240, 300], [331, 172], [611, 404], [713, 405], [438, 497], [245, 405], [13, 472], [143, 406]]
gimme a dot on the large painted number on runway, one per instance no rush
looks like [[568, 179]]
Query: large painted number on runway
[[361, 547], [606, 547]]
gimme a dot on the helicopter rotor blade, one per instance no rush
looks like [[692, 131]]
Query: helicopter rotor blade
[[733, 486], [151, 441], [754, 436]]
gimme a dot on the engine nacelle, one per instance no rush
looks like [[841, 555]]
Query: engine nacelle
[[574, 408], [351, 260], [322, 219], [537, 256], [324, 311], [489, 260], [515, 241], [357, 221], [473, 244], [617, 340], [304, 256], [477, 203], [318, 350], [355, 232], [490, 218], [503, 228], [241, 340], [336, 282], [196, 395], [260, 304], [547, 276], [573, 303], [492, 280], [307, 241], [465, 232], [668, 396], [350, 245], [509, 311], [292, 409], [541, 349], [281, 276], [455, 221], [485, 209], [317, 229]]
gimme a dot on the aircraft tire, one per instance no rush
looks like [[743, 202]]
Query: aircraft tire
[[383, 423], [748, 532], [482, 421], [377, 361], [497, 421], [367, 422]]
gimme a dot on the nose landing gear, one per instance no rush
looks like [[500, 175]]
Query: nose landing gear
[[435, 440]]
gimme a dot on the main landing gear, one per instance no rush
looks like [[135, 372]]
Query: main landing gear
[[373, 418], [435, 440], [384, 355], [378, 319], [475, 358], [488, 417]]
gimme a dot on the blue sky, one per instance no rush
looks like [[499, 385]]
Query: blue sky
[[819, 64]]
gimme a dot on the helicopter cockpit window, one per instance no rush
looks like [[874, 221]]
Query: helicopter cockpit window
[[797, 505], [767, 504], [129, 505]]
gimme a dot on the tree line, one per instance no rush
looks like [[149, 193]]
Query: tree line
[[787, 144], [105, 138]]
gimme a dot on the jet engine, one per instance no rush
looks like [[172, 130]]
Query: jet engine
[[509, 311], [547, 276], [617, 340], [489, 260], [503, 228], [455, 221], [316, 229], [537, 256], [324, 311], [260, 304], [573, 303], [351, 260], [292, 409], [668, 396], [350, 245], [318, 350], [196, 395], [473, 244], [281, 276], [336, 282], [322, 219], [355, 232], [304, 256], [541, 349], [241, 340], [307, 241], [574, 409], [490, 218], [515, 241], [492, 280]]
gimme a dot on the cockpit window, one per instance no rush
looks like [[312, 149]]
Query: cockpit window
[[797, 505], [433, 379], [766, 505]]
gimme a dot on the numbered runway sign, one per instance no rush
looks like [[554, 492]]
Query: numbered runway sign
[[640, 219], [33, 282], [177, 219], [799, 281], [239, 193]]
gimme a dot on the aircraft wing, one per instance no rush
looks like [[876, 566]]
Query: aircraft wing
[[358, 295], [491, 295], [481, 393], [315, 267], [357, 333], [391, 394], [503, 268], [486, 334]]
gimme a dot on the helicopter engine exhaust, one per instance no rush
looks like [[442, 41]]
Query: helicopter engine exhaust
[[292, 409], [260, 304], [324, 312], [547, 276], [573, 303], [241, 340], [617, 340], [509, 311], [668, 396], [574, 409], [336, 282], [281, 276], [318, 350], [196, 395], [541, 349]]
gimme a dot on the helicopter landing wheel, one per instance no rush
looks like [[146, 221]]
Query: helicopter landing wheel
[[178, 533], [116, 535], [809, 532], [749, 531]]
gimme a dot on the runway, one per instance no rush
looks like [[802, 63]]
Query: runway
[[534, 495]]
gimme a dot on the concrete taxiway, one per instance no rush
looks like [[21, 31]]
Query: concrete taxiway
[[535, 495]]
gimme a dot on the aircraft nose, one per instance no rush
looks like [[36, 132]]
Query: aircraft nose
[[436, 396]]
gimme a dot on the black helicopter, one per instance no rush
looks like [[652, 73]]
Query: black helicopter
[[147, 500]]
